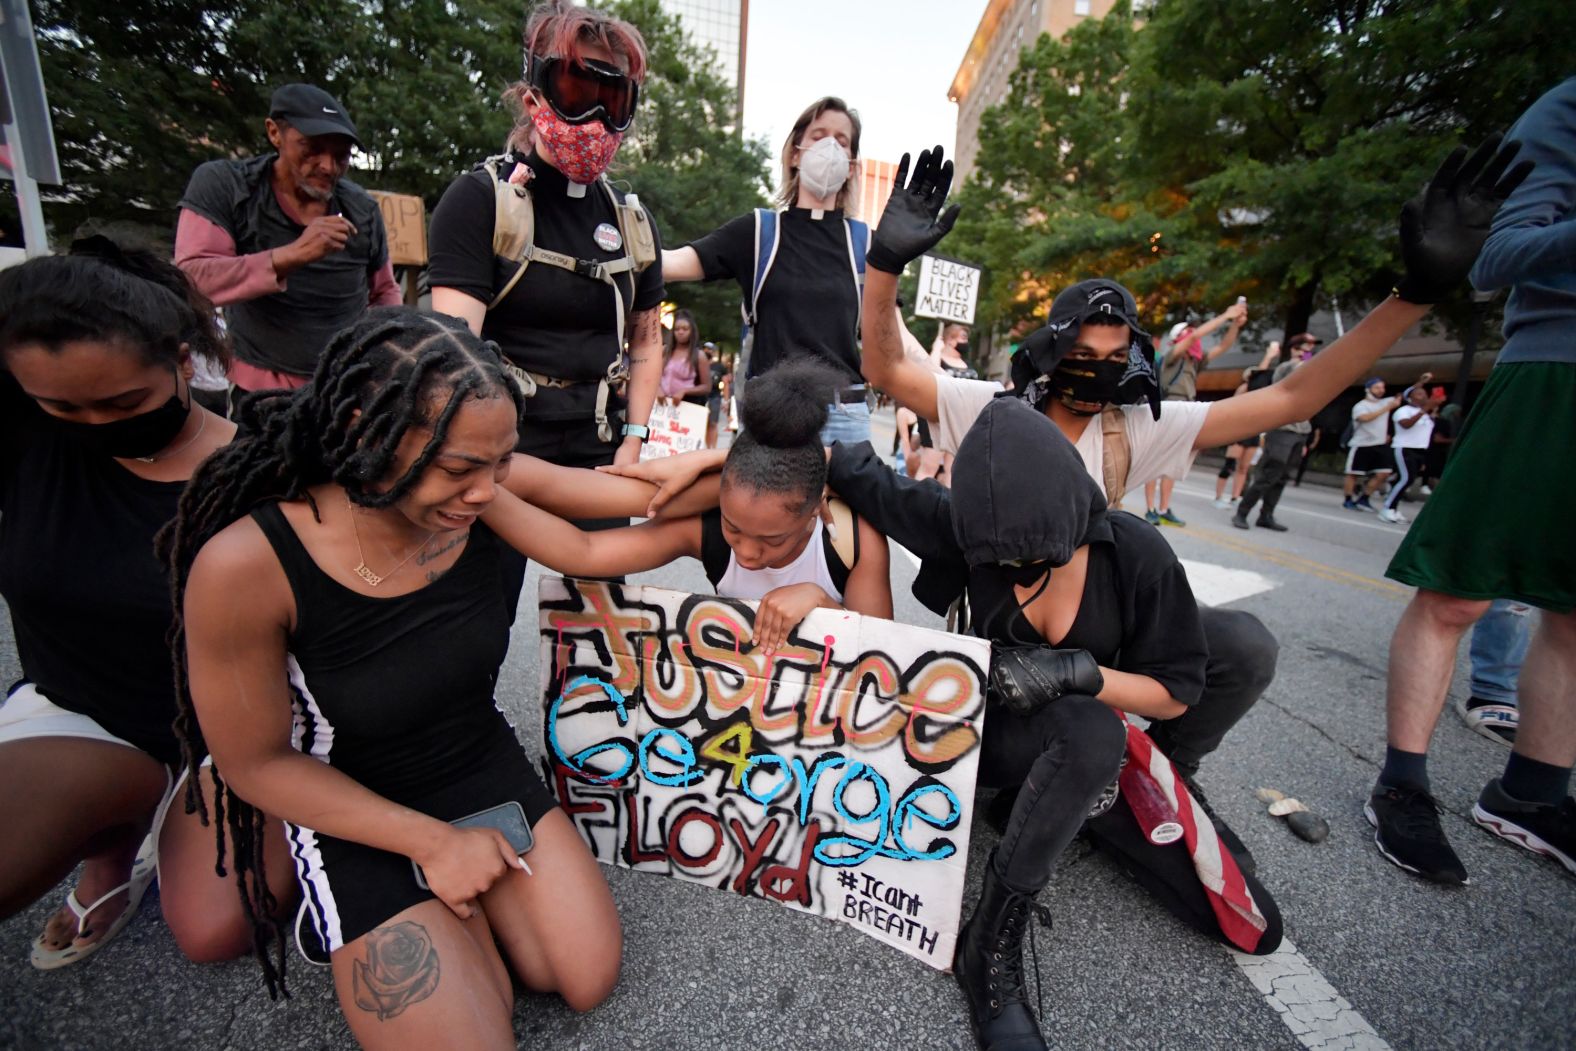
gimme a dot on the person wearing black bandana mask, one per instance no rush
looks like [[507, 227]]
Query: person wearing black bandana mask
[[98, 437], [1090, 616], [1089, 371]]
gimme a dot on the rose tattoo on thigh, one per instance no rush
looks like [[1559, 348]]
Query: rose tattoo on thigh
[[401, 969]]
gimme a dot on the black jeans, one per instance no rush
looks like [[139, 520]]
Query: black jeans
[[1242, 656], [1282, 451], [1063, 754]]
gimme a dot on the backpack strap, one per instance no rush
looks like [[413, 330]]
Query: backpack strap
[[715, 554], [858, 248], [840, 540], [1117, 454], [766, 228]]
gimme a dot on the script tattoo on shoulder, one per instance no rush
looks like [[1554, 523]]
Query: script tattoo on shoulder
[[401, 969], [433, 554]]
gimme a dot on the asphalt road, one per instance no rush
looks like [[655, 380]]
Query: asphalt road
[[1381, 958]]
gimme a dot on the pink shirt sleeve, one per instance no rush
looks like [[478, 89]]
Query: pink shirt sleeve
[[206, 252], [385, 291]]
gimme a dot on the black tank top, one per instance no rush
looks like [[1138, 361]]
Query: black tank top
[[89, 601], [397, 692]]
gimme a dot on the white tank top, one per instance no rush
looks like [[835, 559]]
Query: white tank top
[[809, 567]]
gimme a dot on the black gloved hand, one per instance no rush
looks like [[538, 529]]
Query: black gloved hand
[[909, 226], [1026, 677], [1443, 228]]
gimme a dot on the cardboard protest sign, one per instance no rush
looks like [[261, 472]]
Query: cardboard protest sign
[[405, 219], [835, 775], [678, 428], [948, 289]]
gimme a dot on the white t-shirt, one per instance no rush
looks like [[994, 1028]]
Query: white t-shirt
[[1415, 436], [809, 567], [1157, 447], [1373, 431]]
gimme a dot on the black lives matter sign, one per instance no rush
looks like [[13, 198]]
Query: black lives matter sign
[[948, 289]]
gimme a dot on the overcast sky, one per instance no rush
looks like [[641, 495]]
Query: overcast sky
[[892, 60]]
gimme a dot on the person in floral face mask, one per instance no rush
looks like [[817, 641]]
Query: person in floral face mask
[[564, 313]]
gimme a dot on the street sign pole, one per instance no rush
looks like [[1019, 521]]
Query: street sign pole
[[34, 234], [29, 136]]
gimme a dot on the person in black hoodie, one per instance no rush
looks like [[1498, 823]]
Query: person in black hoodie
[[1090, 616]]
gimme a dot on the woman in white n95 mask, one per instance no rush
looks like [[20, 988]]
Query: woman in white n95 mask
[[801, 266]]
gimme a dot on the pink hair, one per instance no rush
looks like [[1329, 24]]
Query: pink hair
[[558, 29]]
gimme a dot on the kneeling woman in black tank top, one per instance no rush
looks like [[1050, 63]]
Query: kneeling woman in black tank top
[[343, 622]]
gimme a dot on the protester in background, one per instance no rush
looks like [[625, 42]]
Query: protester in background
[[1284, 448], [721, 384], [1179, 369], [1486, 533], [98, 435], [1368, 459], [809, 301], [951, 352], [686, 367], [1240, 456], [289, 247], [1497, 650], [1414, 428], [1447, 422], [562, 315]]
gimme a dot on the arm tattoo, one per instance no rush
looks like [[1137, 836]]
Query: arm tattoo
[[887, 342], [648, 326], [448, 545], [400, 969]]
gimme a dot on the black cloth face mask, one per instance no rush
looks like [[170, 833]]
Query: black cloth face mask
[[1094, 382], [136, 436]]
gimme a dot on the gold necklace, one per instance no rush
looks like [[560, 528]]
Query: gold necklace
[[362, 570], [202, 421]]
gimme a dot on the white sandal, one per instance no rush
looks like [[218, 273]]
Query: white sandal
[[142, 871]]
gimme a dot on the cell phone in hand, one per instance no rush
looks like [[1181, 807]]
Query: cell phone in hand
[[508, 818]]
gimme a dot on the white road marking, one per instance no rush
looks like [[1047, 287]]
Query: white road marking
[[1318, 1016], [907, 554], [1217, 585], [1351, 518]]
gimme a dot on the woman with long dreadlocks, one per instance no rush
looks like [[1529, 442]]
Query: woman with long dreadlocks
[[351, 691], [98, 435]]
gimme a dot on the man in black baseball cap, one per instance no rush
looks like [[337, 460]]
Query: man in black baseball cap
[[293, 249], [311, 111], [1089, 381]]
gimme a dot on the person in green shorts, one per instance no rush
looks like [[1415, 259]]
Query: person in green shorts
[[1491, 533]]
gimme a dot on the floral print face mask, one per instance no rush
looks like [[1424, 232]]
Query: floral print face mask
[[581, 151]]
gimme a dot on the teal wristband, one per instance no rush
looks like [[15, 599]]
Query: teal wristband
[[637, 430]]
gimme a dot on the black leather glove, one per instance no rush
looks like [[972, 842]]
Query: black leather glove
[[1026, 677], [910, 225], [1443, 228]]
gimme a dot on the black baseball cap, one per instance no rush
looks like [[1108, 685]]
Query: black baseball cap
[[1043, 349], [311, 111]]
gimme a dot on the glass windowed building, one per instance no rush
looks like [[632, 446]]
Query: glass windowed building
[[721, 26]]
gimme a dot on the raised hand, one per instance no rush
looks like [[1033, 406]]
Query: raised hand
[[1443, 228], [913, 221]]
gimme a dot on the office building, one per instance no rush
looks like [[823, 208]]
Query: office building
[[983, 78], [722, 26], [875, 186]]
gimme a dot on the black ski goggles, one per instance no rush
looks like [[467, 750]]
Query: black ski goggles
[[581, 90]]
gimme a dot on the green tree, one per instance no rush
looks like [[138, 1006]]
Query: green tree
[[1298, 130]]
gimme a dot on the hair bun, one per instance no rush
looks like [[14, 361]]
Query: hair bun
[[785, 407]]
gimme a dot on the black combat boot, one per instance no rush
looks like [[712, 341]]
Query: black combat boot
[[988, 965]]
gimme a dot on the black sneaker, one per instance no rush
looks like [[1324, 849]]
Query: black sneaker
[[1269, 522], [1543, 828], [1406, 831], [1228, 838], [308, 943]]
